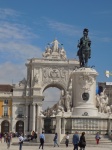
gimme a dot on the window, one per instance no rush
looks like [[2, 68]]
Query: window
[[5, 111], [5, 101], [20, 111]]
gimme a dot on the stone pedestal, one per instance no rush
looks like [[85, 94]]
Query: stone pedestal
[[84, 91]]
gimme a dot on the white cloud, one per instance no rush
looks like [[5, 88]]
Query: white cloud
[[52, 96], [6, 13], [64, 28], [105, 12], [11, 73], [15, 46]]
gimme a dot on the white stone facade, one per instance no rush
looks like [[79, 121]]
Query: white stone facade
[[73, 111]]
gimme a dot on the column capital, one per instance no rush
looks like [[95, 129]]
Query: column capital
[[33, 104]]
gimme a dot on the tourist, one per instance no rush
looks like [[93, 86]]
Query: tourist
[[20, 141], [75, 140], [67, 139], [1, 137], [8, 140], [5, 136], [82, 142], [32, 135], [56, 140], [97, 137], [42, 140]]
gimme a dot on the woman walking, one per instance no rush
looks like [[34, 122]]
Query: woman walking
[[82, 142], [55, 140]]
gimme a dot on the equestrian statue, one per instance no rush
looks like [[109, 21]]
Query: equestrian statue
[[84, 51]]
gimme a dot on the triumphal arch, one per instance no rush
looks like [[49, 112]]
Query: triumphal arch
[[53, 70], [79, 108]]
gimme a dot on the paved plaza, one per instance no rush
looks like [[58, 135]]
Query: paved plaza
[[3, 146]]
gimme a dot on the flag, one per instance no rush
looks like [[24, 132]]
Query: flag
[[107, 73]]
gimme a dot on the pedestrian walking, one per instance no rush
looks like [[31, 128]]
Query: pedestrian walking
[[42, 140], [8, 140], [1, 137], [56, 140], [5, 136], [67, 139], [82, 142], [20, 141], [75, 140], [97, 137]]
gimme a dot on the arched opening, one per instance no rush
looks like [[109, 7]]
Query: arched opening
[[5, 126], [52, 98], [20, 127]]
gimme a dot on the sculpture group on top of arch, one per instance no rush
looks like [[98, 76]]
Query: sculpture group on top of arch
[[55, 50]]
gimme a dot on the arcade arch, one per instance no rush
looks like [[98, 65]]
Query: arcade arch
[[5, 126], [20, 126]]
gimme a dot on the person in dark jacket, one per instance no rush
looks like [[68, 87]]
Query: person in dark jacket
[[56, 140], [42, 140], [82, 142], [75, 140]]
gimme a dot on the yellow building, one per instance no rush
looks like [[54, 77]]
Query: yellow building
[[5, 108]]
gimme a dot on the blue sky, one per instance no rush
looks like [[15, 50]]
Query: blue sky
[[26, 26]]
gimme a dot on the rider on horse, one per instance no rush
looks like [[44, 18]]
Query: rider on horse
[[84, 51]]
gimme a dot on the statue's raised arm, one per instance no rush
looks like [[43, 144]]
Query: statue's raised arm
[[84, 51]]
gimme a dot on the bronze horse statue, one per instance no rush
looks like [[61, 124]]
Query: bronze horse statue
[[84, 51]]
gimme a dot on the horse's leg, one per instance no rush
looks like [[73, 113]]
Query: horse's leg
[[86, 61]]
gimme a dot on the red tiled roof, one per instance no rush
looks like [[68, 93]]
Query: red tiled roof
[[6, 88]]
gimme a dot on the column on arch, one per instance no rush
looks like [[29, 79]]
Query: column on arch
[[33, 117], [26, 119], [39, 108]]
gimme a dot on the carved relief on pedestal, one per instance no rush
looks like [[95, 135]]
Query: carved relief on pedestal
[[85, 80]]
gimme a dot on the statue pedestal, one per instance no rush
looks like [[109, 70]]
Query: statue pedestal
[[84, 92]]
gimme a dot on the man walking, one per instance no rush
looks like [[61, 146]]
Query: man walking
[[42, 139], [20, 142], [75, 140]]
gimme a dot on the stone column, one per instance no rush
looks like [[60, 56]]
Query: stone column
[[58, 126], [30, 118], [33, 118], [40, 124], [63, 125], [39, 107], [13, 118], [26, 120]]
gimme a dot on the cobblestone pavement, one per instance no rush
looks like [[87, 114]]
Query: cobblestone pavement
[[3, 146]]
